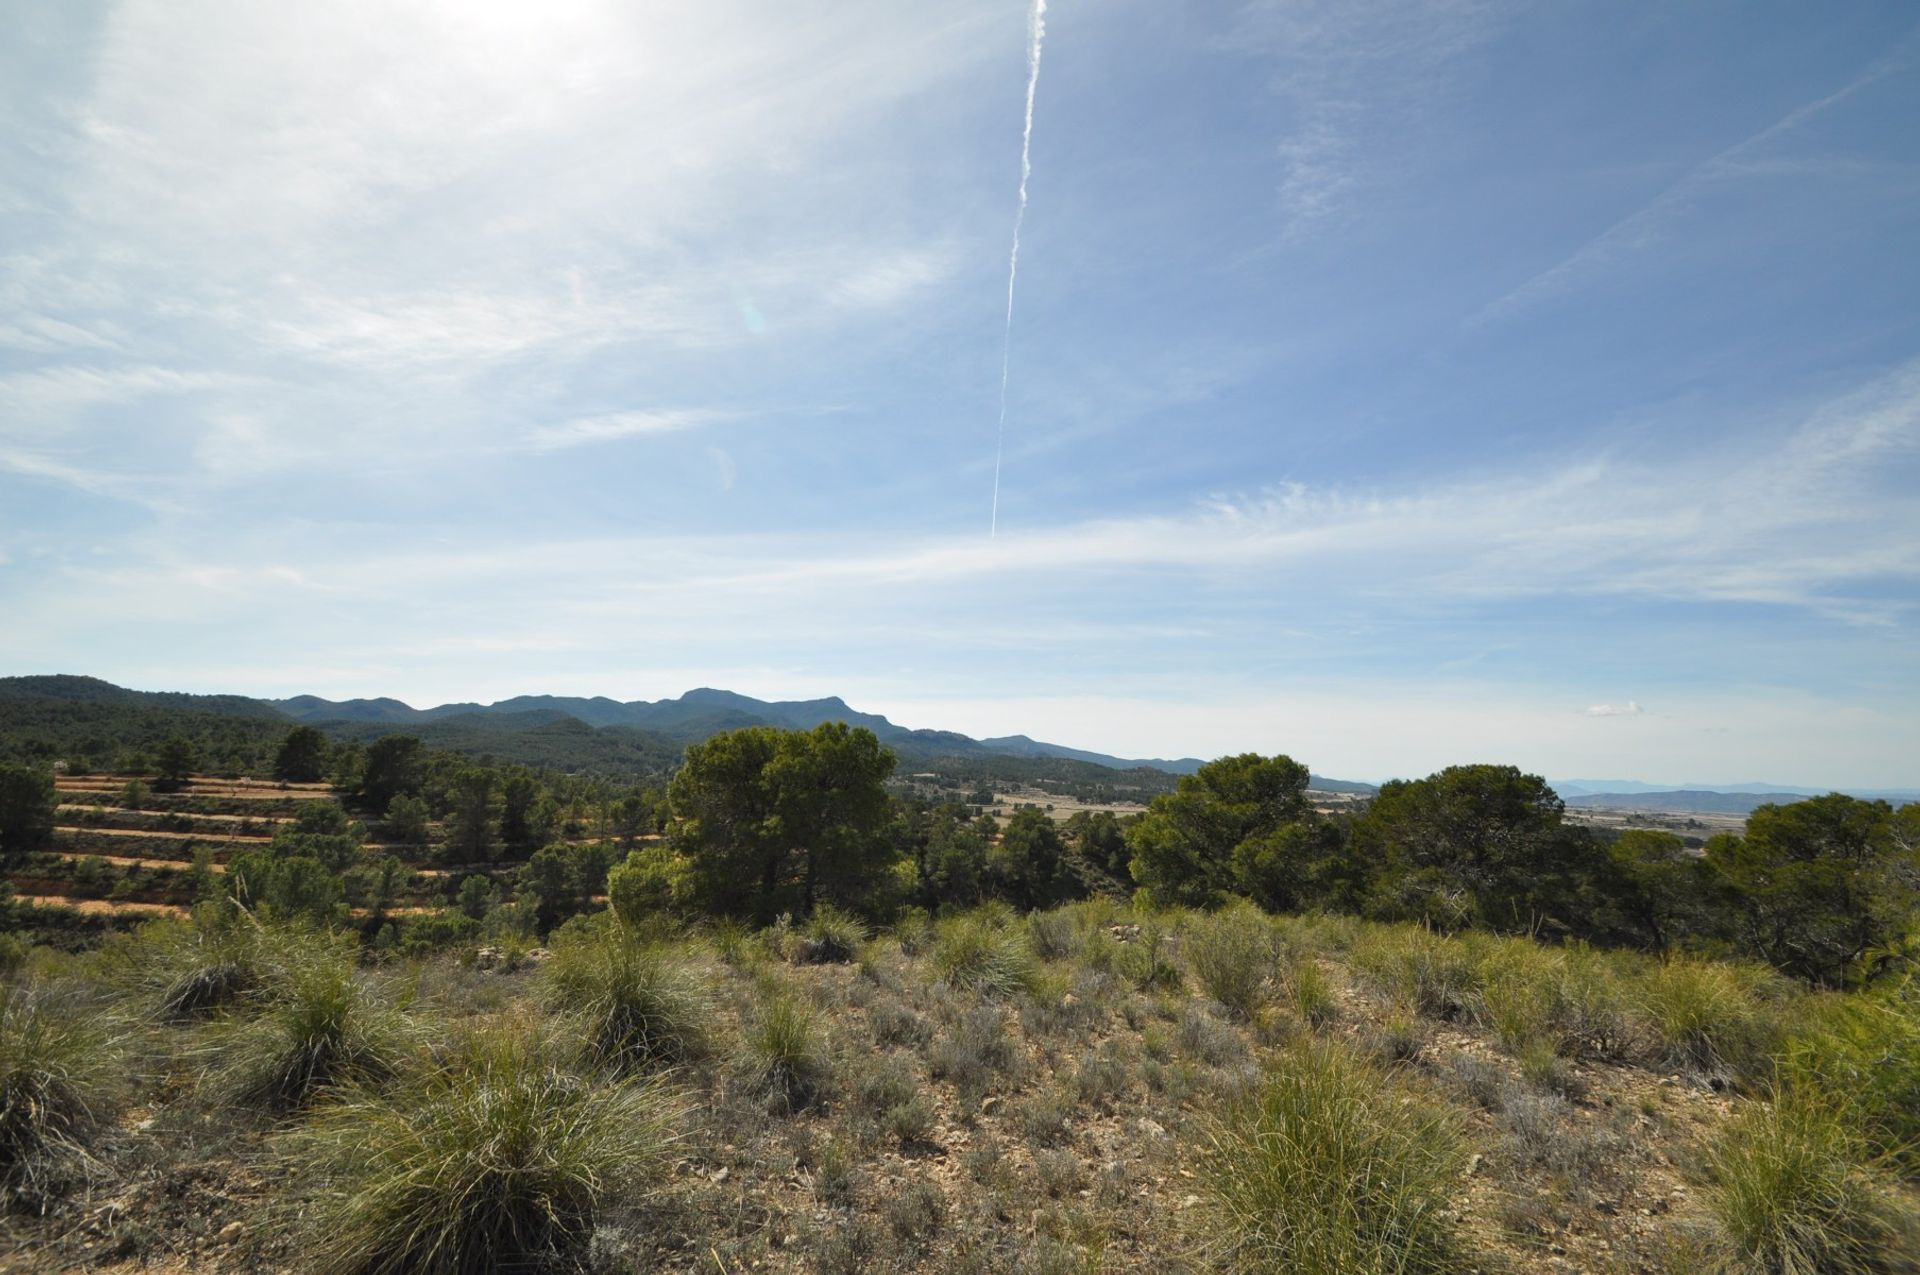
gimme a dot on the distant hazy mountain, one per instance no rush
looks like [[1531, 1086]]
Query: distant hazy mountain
[[1707, 801], [1696, 800]]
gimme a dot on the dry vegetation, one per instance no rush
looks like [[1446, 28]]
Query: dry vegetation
[[1086, 1089]]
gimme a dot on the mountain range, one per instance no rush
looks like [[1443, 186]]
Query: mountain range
[[578, 732], [706, 711]]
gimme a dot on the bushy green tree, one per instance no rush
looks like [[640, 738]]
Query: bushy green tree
[[174, 762], [1028, 865], [289, 887], [652, 881], [524, 822], [773, 820], [302, 758], [1663, 892], [394, 765], [477, 896], [1824, 884], [408, 821], [1101, 841], [470, 816], [26, 808], [1183, 848], [560, 880], [321, 830], [1474, 845], [347, 767], [1298, 865], [952, 864], [630, 816]]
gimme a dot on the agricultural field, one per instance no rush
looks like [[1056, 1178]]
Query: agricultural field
[[136, 854]]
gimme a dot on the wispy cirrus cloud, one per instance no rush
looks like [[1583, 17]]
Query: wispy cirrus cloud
[[614, 426], [1645, 227], [1359, 77]]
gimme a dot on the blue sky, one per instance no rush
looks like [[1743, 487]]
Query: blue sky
[[1390, 384]]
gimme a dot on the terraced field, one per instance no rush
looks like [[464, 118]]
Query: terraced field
[[114, 861]]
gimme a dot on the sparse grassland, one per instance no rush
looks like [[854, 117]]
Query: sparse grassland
[[1091, 1088]]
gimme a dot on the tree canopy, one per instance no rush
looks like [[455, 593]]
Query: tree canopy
[[302, 758], [1472, 845], [773, 820], [1183, 849], [26, 807], [1828, 887]]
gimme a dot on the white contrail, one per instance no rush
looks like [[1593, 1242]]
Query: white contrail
[[1036, 31]]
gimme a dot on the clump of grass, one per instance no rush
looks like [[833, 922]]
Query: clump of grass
[[1397, 1039], [1785, 1184], [499, 1160], [733, 942], [786, 1057], [914, 930], [1309, 992], [1867, 1045], [328, 1025], [1328, 1168], [181, 970], [1711, 1016], [639, 1006], [830, 936], [59, 1075], [192, 970], [1232, 955], [1432, 974], [994, 960], [1567, 1000]]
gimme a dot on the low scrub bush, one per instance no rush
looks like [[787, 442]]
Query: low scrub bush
[[1329, 1168], [1232, 954], [975, 1051], [60, 1073], [895, 1024], [1146, 962], [1055, 935], [1209, 1040], [638, 1005], [499, 1160], [1786, 1184]]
